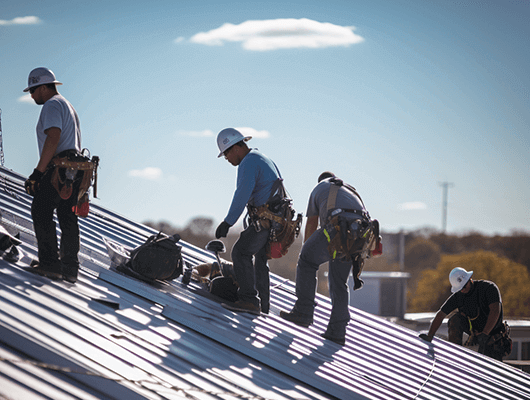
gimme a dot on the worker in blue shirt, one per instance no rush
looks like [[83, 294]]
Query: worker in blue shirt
[[256, 175]]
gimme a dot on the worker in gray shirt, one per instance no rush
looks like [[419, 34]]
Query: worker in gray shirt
[[330, 200]]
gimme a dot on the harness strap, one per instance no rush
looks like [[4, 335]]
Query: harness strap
[[332, 200], [334, 255], [332, 197]]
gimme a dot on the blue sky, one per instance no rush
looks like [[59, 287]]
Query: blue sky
[[395, 97]]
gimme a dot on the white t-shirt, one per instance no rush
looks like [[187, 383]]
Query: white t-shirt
[[57, 112]]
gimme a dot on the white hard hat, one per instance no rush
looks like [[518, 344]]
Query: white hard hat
[[458, 278], [41, 76], [228, 137]]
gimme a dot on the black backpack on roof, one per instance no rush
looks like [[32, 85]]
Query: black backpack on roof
[[159, 258]]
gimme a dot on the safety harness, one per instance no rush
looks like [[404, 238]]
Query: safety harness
[[348, 237], [501, 342], [72, 167]]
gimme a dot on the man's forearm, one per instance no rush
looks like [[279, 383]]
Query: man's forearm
[[495, 311], [436, 323]]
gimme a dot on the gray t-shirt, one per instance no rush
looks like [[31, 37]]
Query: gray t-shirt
[[318, 201], [57, 112]]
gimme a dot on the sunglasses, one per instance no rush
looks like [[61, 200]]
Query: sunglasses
[[227, 151], [32, 90]]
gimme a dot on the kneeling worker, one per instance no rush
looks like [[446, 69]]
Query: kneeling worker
[[479, 313]]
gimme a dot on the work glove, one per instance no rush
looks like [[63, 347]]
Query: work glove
[[33, 182], [222, 230], [482, 340], [425, 337]]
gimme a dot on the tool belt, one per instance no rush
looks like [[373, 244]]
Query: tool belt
[[284, 226], [352, 239], [351, 233], [501, 342], [348, 238], [71, 169]]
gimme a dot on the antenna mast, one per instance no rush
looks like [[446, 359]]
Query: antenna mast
[[445, 186], [1, 141]]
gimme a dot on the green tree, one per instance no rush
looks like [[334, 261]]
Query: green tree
[[421, 254], [512, 279]]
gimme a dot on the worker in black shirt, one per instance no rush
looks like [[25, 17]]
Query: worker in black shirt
[[479, 313]]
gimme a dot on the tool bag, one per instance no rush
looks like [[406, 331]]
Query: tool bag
[[224, 286], [71, 169], [354, 238], [159, 258], [279, 216], [220, 280], [502, 342]]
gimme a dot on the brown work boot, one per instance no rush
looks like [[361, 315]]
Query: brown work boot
[[242, 306]]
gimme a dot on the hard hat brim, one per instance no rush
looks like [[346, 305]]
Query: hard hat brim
[[245, 139], [40, 84]]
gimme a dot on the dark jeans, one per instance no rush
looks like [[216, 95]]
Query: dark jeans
[[45, 202], [249, 256], [314, 253], [458, 324]]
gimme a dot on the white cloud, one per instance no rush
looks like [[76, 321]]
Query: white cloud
[[246, 131], [180, 39], [204, 133], [29, 20], [149, 173], [413, 205], [26, 99], [273, 34]]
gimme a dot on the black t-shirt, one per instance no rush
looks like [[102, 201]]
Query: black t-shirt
[[475, 304]]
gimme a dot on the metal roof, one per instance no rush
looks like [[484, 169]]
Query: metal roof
[[110, 336]]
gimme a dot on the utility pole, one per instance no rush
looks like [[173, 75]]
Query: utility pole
[[445, 186], [402, 250]]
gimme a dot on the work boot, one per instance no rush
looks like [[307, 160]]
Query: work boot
[[70, 273], [336, 339], [242, 306], [297, 318], [46, 271]]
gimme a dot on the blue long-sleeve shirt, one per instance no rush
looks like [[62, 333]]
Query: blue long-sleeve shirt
[[255, 176]]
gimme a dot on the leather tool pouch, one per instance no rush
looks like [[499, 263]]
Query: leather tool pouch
[[73, 172]]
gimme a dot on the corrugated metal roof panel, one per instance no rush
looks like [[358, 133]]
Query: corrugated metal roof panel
[[111, 336]]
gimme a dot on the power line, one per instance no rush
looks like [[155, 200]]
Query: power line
[[445, 186]]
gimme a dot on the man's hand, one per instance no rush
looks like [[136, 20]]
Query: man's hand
[[482, 340], [222, 230], [425, 337], [33, 182]]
